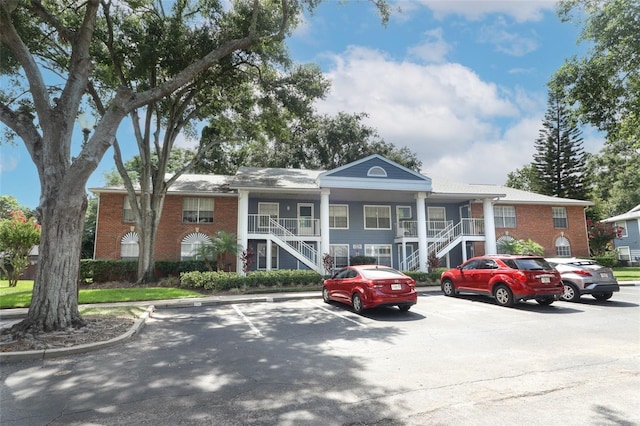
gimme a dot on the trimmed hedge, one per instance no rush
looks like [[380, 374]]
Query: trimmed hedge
[[220, 281], [425, 277], [608, 261], [100, 271]]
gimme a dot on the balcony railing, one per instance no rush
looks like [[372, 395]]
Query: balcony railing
[[409, 228], [304, 227]]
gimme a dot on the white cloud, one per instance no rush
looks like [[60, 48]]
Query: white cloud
[[489, 161], [520, 10], [506, 41], [453, 120], [433, 50]]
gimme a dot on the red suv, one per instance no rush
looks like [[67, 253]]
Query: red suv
[[507, 278]]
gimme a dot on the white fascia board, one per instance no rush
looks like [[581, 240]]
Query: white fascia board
[[372, 183]]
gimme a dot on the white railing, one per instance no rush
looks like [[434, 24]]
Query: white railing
[[409, 228], [411, 263], [466, 227], [262, 224]]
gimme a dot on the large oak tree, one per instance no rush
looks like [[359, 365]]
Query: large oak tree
[[51, 51]]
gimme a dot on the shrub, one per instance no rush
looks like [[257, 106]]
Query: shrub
[[363, 260], [608, 261], [220, 281]]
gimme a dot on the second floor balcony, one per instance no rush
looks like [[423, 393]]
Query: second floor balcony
[[469, 227], [265, 224]]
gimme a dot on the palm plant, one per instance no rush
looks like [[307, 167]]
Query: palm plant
[[222, 244]]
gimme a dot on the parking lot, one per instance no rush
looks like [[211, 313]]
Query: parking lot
[[461, 360]]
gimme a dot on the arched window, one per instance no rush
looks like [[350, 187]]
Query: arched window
[[563, 247], [377, 171], [191, 244], [504, 244], [129, 248]]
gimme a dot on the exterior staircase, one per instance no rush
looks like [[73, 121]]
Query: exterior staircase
[[292, 243]]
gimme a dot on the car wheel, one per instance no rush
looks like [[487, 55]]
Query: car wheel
[[571, 292], [601, 297], [325, 294], [356, 302], [545, 301], [404, 308], [503, 296], [448, 288]]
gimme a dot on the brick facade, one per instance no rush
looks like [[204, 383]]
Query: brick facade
[[171, 231], [535, 222]]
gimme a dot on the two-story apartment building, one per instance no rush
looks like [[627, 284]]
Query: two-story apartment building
[[292, 218], [628, 245]]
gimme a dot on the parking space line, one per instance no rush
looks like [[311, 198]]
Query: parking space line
[[248, 321], [427, 313], [335, 313]]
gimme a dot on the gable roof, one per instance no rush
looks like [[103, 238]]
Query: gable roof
[[355, 175], [634, 213], [374, 172]]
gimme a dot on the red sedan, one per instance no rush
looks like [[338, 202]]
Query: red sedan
[[370, 286]]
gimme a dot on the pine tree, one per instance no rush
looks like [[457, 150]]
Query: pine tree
[[560, 160]]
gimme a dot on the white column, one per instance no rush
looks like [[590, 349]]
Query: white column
[[422, 230], [243, 225], [269, 253], [489, 227], [325, 239]]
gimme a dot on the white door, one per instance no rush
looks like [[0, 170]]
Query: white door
[[305, 219]]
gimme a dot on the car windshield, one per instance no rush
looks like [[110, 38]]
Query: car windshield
[[380, 273], [533, 264]]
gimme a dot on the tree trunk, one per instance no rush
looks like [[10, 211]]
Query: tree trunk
[[148, 230], [54, 304]]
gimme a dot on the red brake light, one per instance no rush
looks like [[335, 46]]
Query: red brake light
[[582, 272], [520, 276]]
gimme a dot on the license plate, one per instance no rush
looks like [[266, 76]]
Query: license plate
[[396, 286], [604, 275], [545, 280]]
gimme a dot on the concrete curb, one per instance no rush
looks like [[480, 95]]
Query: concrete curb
[[73, 350]]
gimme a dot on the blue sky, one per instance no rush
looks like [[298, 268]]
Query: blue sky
[[460, 83]]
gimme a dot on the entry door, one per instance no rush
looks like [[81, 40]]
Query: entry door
[[305, 219]]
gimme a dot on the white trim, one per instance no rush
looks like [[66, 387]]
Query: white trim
[[376, 171]]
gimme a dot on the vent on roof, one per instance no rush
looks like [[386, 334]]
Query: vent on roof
[[377, 171]]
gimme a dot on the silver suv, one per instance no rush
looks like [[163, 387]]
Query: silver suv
[[584, 276]]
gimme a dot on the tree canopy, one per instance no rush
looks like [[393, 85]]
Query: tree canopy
[[58, 57], [603, 89]]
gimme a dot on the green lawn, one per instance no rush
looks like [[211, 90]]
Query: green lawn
[[20, 296], [627, 274]]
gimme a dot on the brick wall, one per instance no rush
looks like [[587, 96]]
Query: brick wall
[[535, 222], [171, 230]]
